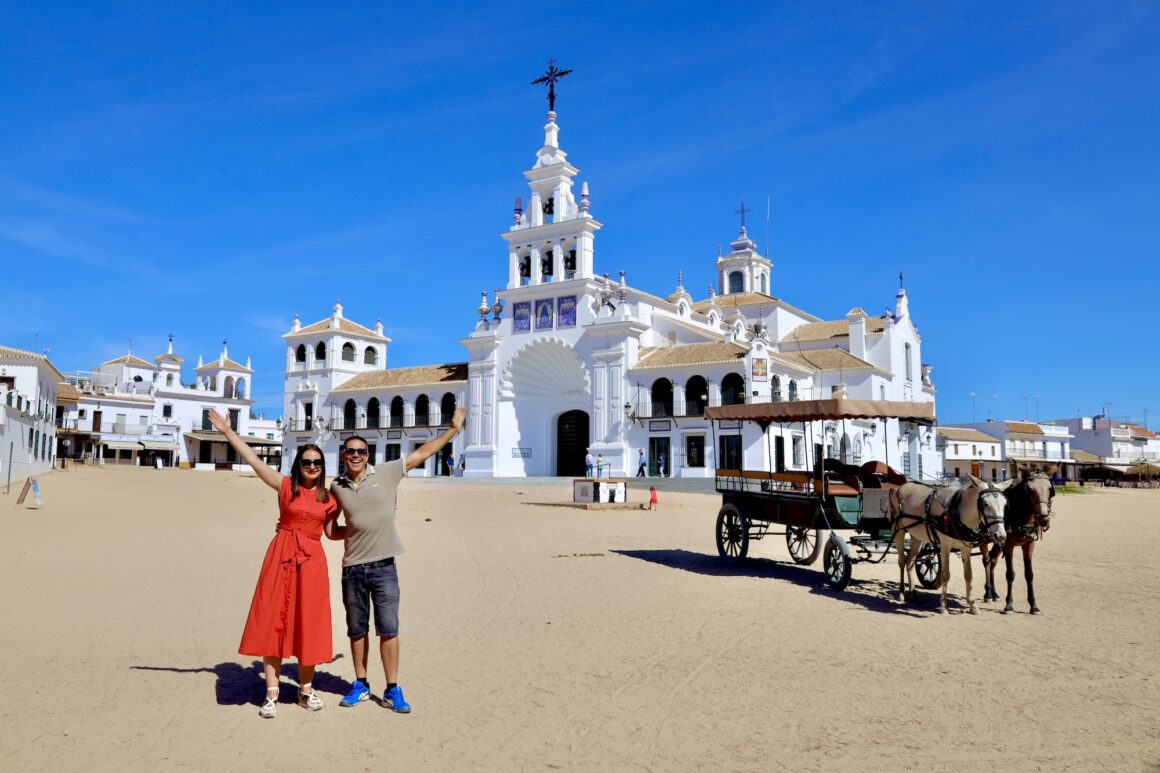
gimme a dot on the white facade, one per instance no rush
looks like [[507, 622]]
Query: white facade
[[1027, 444], [969, 451], [564, 359], [1119, 444], [131, 411], [28, 383]]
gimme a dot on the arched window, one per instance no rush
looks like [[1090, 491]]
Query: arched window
[[169, 380], [793, 389], [320, 353], [240, 388], [213, 383], [397, 412], [764, 283], [776, 383], [736, 282], [373, 413], [300, 353], [422, 411], [371, 356], [844, 448], [732, 389], [228, 386], [909, 364], [349, 414], [348, 352], [662, 397], [696, 396], [446, 409]]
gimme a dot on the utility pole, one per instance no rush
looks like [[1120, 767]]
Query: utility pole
[[972, 407], [1145, 418], [1036, 399], [1024, 407]]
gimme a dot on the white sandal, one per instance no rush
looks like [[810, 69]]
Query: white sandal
[[309, 701], [269, 707]]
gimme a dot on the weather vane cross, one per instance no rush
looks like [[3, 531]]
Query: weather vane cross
[[743, 212], [550, 77]]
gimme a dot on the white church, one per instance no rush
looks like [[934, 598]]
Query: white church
[[565, 361]]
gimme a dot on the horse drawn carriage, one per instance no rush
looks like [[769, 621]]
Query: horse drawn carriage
[[834, 497]]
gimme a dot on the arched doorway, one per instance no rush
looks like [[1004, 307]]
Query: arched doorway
[[571, 443]]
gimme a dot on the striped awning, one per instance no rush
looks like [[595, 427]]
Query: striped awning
[[155, 445], [122, 445]]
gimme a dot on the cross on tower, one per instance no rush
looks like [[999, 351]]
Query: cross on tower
[[743, 212], [900, 280], [550, 77]]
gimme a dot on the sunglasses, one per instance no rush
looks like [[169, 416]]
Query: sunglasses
[[313, 463], [356, 451]]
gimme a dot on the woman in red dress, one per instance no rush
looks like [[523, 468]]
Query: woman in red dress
[[290, 613]]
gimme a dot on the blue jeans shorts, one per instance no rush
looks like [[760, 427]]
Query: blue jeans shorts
[[374, 583]]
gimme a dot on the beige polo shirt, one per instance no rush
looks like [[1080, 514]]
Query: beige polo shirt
[[369, 510]]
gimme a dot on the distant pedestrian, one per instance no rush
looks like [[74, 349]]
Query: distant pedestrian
[[661, 465], [599, 465], [588, 463], [462, 465], [652, 497], [640, 473]]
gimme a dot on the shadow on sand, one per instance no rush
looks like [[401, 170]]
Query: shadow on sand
[[874, 595], [238, 685]]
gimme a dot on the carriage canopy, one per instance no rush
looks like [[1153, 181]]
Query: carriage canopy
[[823, 410]]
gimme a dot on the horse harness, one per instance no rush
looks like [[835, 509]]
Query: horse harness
[[1030, 530], [949, 521]]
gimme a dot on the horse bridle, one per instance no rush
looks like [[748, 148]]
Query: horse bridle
[[987, 525]]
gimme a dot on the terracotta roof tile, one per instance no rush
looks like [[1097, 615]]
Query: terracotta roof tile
[[400, 378], [741, 299], [344, 324], [1025, 427], [67, 393], [21, 354], [827, 359], [966, 434], [1084, 456], [712, 353], [823, 331], [129, 359], [229, 364]]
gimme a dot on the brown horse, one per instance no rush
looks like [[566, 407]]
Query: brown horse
[[1028, 516]]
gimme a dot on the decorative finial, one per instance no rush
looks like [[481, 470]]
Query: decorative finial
[[550, 77], [712, 293], [497, 307], [743, 212], [518, 212], [225, 349], [900, 287], [170, 350], [484, 306], [585, 201], [680, 280], [718, 250]]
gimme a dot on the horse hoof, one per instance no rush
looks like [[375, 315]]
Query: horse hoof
[[942, 611], [973, 611], [1008, 610], [1035, 611]]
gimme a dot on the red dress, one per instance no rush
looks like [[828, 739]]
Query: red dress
[[290, 613]]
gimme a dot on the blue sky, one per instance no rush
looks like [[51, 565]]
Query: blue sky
[[211, 170]]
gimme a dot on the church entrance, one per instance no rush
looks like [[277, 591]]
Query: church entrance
[[571, 444]]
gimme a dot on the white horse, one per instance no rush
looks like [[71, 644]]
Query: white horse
[[954, 517]]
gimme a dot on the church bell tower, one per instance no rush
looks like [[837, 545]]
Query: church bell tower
[[551, 239]]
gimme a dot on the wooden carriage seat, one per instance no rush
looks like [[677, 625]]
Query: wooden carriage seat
[[878, 475]]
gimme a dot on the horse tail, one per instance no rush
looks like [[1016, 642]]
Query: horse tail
[[895, 506]]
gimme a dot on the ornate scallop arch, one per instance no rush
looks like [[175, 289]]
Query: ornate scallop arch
[[546, 367]]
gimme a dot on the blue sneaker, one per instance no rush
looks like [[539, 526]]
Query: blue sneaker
[[393, 699], [359, 692]]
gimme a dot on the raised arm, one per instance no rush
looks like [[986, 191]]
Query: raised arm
[[428, 449], [268, 474]]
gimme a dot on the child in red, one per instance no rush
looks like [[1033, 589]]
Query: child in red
[[652, 497]]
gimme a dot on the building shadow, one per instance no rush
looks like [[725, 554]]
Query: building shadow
[[874, 595], [238, 685]]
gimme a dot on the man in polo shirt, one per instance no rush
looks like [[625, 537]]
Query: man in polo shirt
[[369, 578]]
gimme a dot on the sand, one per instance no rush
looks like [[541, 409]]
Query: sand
[[549, 638]]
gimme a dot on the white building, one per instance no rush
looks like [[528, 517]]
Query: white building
[[28, 383], [967, 450], [1118, 444], [1027, 444], [132, 411], [564, 360]]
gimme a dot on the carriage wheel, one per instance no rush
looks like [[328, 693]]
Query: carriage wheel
[[732, 534], [836, 561], [804, 544], [928, 566]]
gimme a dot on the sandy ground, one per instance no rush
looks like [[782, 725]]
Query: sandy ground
[[550, 638]]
